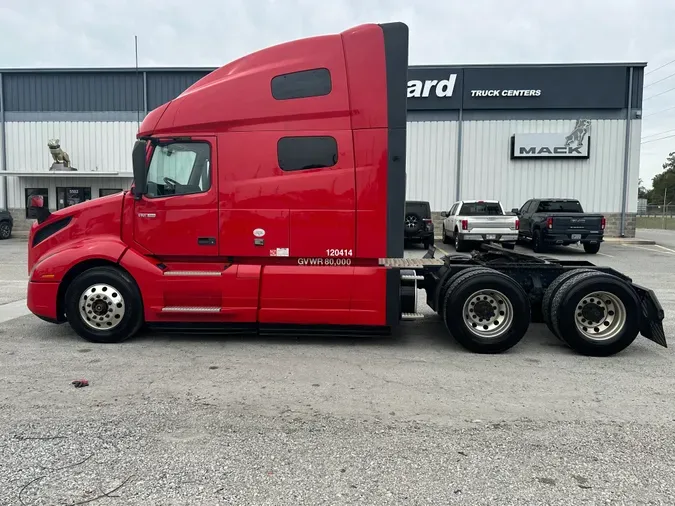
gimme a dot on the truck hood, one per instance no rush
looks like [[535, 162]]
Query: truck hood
[[68, 228]]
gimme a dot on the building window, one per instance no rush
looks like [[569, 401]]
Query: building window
[[179, 168], [302, 153], [69, 195], [303, 84], [103, 192], [44, 192]]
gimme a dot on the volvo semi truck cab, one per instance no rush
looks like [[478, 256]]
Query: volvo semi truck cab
[[268, 197]]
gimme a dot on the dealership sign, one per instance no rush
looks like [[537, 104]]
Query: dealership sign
[[519, 87], [440, 88], [575, 144]]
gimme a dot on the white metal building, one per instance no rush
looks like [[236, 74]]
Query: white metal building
[[495, 132]]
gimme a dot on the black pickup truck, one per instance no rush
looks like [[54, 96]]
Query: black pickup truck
[[548, 222]]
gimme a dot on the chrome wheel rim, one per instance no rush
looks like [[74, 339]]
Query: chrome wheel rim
[[101, 307], [4, 230], [456, 241], [488, 314], [600, 316]]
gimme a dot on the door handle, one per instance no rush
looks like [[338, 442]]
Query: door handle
[[206, 241]]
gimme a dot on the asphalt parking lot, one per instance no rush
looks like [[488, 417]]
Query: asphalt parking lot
[[412, 419]]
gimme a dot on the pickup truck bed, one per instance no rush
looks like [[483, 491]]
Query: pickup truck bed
[[559, 222]]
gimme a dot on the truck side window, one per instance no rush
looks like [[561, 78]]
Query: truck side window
[[303, 84], [179, 168], [302, 153]]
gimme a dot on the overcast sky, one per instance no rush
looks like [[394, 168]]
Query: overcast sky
[[39, 33]]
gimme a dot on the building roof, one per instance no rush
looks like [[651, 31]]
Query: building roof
[[210, 69]]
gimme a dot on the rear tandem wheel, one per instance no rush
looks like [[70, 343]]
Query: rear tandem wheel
[[485, 310], [596, 314]]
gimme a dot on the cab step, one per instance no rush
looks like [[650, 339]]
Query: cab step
[[411, 316]]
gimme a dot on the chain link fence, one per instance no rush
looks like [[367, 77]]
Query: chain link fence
[[656, 216]]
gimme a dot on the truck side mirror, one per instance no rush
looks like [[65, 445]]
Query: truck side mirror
[[138, 158], [515, 211], [444, 214], [36, 203]]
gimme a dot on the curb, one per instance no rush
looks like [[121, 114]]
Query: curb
[[628, 241]]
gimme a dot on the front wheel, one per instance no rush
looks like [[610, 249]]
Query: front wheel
[[486, 311], [104, 305], [446, 239]]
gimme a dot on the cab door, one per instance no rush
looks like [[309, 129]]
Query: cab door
[[178, 217]]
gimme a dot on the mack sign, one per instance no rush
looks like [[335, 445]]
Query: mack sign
[[575, 144]]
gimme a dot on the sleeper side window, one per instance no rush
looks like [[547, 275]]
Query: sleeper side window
[[179, 168], [303, 153], [303, 84]]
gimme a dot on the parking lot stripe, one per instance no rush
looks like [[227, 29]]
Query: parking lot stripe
[[669, 252], [13, 310], [663, 247]]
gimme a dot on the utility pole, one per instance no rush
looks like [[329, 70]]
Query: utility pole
[[665, 194]]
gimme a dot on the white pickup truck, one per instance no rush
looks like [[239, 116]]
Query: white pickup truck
[[477, 221]]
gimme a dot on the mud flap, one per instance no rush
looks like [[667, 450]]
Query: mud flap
[[430, 252], [651, 324]]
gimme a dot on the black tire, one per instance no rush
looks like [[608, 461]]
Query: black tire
[[463, 288], [5, 230], [450, 282], [446, 239], [570, 297], [537, 242], [459, 243], [591, 249], [428, 243], [122, 285], [551, 291], [509, 245]]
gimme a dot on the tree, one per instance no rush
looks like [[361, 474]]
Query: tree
[[643, 193], [664, 182]]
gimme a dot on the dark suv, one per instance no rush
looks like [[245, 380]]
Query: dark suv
[[418, 226], [6, 224]]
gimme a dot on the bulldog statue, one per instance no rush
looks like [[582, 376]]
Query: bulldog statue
[[61, 158]]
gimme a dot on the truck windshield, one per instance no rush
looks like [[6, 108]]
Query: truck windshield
[[481, 209], [561, 206]]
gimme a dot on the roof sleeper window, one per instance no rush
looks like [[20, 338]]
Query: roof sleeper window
[[303, 153], [302, 84]]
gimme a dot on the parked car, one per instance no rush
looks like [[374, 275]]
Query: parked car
[[479, 221], [418, 225], [6, 224], [546, 222]]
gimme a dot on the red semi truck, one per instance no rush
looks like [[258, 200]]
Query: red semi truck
[[269, 198]]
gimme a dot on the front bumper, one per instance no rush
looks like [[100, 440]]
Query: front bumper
[[489, 237], [42, 300]]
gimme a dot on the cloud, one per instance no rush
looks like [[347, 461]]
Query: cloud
[[212, 32]]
